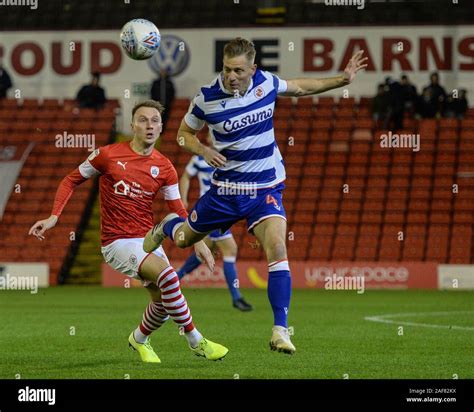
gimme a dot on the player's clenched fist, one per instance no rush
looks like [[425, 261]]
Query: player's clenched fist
[[42, 226]]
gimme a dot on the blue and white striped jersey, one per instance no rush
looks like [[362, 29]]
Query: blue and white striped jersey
[[197, 166], [241, 129]]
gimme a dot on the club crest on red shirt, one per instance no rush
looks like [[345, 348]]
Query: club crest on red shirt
[[155, 171]]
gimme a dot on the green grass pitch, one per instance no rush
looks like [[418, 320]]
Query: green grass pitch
[[81, 332]]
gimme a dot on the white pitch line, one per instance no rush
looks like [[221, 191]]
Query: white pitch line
[[383, 319]]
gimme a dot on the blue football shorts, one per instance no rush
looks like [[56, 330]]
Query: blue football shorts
[[217, 211]]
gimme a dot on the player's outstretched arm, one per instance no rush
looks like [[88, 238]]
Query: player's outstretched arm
[[307, 86], [187, 138], [64, 192]]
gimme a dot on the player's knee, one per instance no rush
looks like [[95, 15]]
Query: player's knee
[[233, 250], [181, 242], [180, 239], [276, 249], [230, 249]]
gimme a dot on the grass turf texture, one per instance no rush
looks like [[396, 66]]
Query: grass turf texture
[[331, 336]]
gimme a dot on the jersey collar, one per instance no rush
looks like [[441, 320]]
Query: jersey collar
[[221, 85]]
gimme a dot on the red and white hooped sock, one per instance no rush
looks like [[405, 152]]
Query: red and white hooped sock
[[154, 316], [176, 306]]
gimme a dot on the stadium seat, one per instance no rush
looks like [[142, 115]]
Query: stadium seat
[[320, 247], [326, 101], [468, 122], [394, 216], [460, 217], [344, 125], [333, 179], [390, 249], [461, 204], [446, 144], [466, 145], [321, 125], [285, 103], [346, 102], [343, 252], [421, 157], [323, 112], [439, 218], [413, 249], [366, 252], [466, 158], [9, 104], [358, 157], [365, 101], [344, 113], [418, 205]]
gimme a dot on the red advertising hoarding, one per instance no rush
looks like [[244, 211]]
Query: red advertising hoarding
[[305, 275]]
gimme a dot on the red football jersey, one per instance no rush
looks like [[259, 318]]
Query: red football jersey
[[129, 182]]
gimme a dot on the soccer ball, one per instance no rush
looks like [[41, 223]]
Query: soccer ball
[[140, 39]]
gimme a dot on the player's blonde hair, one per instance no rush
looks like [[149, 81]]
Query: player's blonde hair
[[238, 47], [149, 103]]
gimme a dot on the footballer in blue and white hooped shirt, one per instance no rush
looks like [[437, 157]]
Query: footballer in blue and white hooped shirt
[[241, 130], [238, 108], [224, 241]]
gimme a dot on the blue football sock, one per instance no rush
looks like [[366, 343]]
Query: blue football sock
[[279, 292], [230, 273], [191, 263], [169, 226]]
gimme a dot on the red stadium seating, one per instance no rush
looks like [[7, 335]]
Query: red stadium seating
[[44, 168], [346, 197], [390, 189]]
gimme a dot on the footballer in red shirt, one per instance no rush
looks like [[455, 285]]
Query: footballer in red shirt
[[132, 174]]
